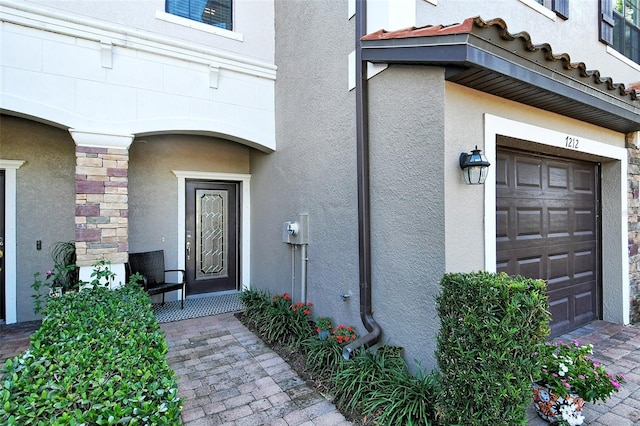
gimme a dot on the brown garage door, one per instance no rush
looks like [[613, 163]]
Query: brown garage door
[[547, 227]]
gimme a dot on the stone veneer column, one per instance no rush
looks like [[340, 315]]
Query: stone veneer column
[[633, 206], [102, 204]]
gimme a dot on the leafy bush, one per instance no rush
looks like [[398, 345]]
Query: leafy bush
[[98, 358], [404, 399], [323, 357], [255, 304], [366, 373], [285, 322], [491, 326]]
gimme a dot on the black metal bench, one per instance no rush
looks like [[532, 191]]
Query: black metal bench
[[150, 265]]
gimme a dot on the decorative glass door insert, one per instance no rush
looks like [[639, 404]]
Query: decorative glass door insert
[[212, 233]]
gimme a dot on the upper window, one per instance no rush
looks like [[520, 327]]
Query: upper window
[[626, 28], [620, 26], [560, 7], [213, 12]]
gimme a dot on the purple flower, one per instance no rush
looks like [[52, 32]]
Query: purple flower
[[48, 272], [615, 383], [575, 342], [580, 376]]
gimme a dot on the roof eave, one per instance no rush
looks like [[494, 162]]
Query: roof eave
[[527, 76]]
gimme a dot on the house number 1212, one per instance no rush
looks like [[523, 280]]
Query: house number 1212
[[571, 142]]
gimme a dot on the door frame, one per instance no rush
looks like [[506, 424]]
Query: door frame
[[615, 256], [10, 239], [244, 241]]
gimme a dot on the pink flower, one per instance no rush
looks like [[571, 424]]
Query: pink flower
[[615, 383], [580, 376], [554, 374], [575, 342], [596, 364], [567, 385], [48, 271]]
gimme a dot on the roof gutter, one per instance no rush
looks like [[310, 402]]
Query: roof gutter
[[364, 211]]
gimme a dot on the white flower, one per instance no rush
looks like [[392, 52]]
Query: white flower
[[562, 369]]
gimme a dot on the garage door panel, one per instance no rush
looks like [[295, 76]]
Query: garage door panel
[[528, 173], [583, 180], [529, 223], [559, 308], [585, 303], [559, 176], [546, 227], [501, 171]]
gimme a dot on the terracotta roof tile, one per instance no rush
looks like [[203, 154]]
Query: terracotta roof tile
[[469, 24]]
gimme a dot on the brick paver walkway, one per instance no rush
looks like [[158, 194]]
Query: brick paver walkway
[[14, 338], [229, 377]]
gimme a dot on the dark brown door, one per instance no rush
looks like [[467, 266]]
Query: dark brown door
[[212, 236], [547, 227], [2, 247]]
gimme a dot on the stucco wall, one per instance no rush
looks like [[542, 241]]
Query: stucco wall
[[407, 205], [314, 168], [153, 190], [314, 171], [45, 197]]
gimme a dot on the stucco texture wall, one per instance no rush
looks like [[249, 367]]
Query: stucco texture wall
[[153, 188], [407, 205], [45, 197], [314, 167], [314, 171]]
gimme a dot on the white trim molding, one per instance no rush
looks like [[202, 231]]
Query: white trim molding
[[100, 140], [10, 240], [245, 216], [615, 264], [211, 29]]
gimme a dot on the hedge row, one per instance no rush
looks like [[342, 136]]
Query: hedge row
[[491, 326], [98, 358]]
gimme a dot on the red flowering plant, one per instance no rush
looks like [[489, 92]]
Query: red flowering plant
[[343, 334], [285, 321], [569, 368], [324, 325]]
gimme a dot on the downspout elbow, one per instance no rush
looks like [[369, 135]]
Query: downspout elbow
[[367, 340]]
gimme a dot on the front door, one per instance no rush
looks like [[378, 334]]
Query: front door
[[211, 236], [2, 221]]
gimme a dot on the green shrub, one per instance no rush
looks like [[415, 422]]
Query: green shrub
[[98, 358], [323, 357], [255, 304], [367, 373], [404, 399], [490, 327], [285, 322]]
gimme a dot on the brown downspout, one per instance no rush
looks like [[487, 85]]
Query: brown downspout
[[364, 212]]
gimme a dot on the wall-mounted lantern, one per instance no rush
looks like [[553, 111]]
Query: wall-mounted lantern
[[475, 167]]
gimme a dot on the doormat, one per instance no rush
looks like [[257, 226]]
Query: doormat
[[198, 307]]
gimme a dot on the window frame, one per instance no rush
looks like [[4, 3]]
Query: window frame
[[185, 9], [614, 37]]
